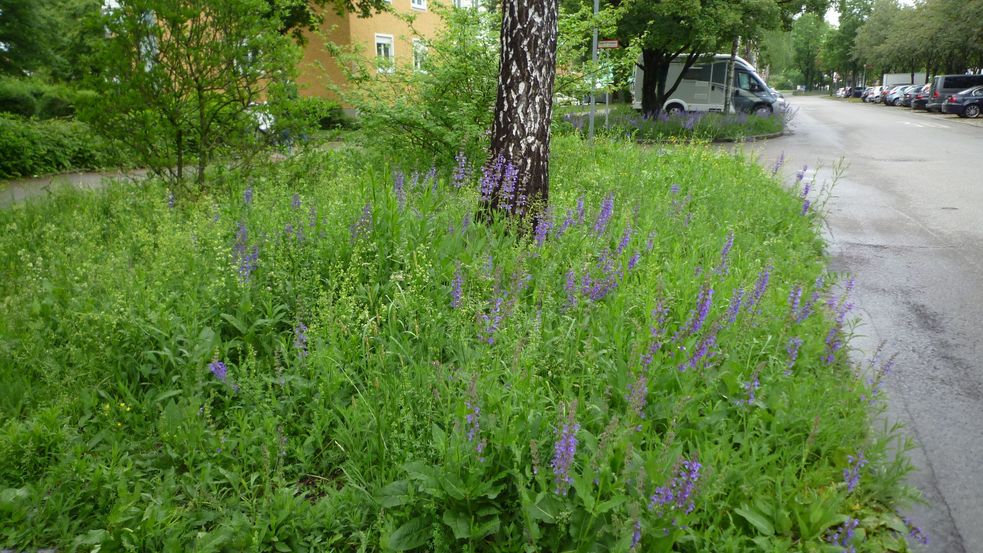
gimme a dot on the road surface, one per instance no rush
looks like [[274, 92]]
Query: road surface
[[906, 219]]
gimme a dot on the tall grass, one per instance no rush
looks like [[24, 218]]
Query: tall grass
[[339, 358]]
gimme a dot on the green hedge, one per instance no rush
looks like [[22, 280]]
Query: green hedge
[[34, 98], [31, 147]]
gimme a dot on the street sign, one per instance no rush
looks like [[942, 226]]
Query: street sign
[[608, 43]]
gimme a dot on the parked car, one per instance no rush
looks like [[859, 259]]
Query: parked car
[[887, 90], [966, 103], [874, 96], [944, 86], [893, 97], [909, 94], [858, 91], [920, 98]]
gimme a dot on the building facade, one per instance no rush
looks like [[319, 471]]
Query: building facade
[[383, 37]]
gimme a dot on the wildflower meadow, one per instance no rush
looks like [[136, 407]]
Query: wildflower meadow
[[339, 355]]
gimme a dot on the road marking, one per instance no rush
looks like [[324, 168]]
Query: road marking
[[920, 125]]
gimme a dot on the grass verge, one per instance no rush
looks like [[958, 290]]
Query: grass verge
[[338, 358], [701, 126]]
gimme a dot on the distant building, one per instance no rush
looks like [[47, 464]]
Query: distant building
[[382, 36]]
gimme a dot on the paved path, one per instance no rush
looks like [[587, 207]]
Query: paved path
[[906, 218], [19, 190]]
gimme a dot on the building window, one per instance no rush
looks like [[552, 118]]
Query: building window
[[419, 54], [418, 4], [385, 57]]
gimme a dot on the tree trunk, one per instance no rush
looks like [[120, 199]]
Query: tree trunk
[[729, 83], [516, 179], [655, 86]]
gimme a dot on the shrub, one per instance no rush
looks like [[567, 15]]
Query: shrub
[[17, 98], [624, 121], [433, 113], [30, 147]]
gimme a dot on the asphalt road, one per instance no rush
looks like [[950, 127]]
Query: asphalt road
[[905, 218]]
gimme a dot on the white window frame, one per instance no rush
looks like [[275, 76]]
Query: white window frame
[[390, 62], [419, 55], [418, 4]]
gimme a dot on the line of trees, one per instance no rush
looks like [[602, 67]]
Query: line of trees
[[874, 37]]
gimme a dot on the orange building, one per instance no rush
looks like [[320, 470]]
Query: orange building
[[382, 37]]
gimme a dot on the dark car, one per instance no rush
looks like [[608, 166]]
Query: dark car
[[944, 86], [966, 103], [920, 99], [858, 91], [909, 95]]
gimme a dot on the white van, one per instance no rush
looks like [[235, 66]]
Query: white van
[[702, 87]]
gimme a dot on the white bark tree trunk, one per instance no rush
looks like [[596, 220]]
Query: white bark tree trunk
[[518, 162]]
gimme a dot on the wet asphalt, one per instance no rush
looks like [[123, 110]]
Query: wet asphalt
[[905, 218]]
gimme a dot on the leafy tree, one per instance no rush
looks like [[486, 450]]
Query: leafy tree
[[295, 16], [520, 139], [808, 34], [182, 80], [24, 30]]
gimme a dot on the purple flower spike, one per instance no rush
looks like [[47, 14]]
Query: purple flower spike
[[564, 451], [843, 536], [300, 339], [778, 164], [247, 196], [678, 494], [295, 201], [604, 216], [703, 302], [456, 287], [461, 171], [793, 353], [399, 188], [851, 474], [218, 369], [543, 226]]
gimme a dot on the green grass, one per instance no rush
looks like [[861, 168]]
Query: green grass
[[355, 434], [624, 121]]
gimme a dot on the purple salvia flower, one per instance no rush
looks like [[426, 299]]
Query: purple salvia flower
[[760, 287], [288, 229], [805, 207], [650, 242], [702, 352], [399, 188], [793, 353], [674, 189], [843, 535], [218, 369], [300, 339], [638, 395], [604, 216], [808, 306], [564, 451], [778, 164], [312, 217], [571, 288], [794, 298], [805, 190], [363, 224], [509, 180], [833, 344], [491, 175], [493, 318], [171, 200], [703, 302], [456, 286], [799, 175], [851, 474], [678, 494], [751, 388], [465, 222], [247, 196], [461, 171], [542, 230], [915, 532], [722, 268], [245, 257], [580, 210], [625, 239], [636, 535], [295, 201], [633, 261], [735, 305]]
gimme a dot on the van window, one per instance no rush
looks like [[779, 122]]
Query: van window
[[699, 72], [720, 72], [962, 82]]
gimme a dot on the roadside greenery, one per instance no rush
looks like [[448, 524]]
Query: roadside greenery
[[339, 358], [624, 121], [37, 147]]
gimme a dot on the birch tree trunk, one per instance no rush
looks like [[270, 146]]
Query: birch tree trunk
[[516, 181]]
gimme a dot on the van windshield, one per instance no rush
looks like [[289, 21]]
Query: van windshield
[[745, 81]]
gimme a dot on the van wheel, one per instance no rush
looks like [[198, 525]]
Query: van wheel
[[972, 111], [762, 110], [675, 110]]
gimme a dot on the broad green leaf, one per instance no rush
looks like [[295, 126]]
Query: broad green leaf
[[394, 494], [547, 508], [411, 535], [487, 528], [460, 524], [452, 484], [757, 520]]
